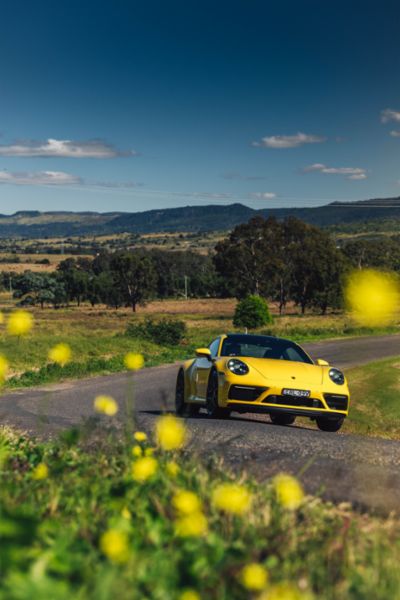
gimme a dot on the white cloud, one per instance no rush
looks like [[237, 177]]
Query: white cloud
[[289, 141], [390, 115], [395, 133], [263, 195], [63, 149], [39, 178], [348, 172]]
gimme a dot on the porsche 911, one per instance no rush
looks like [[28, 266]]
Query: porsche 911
[[257, 373]]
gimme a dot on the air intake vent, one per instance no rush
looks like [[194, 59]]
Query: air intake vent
[[337, 401], [245, 392]]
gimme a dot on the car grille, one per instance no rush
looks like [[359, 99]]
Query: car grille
[[245, 392], [337, 401], [293, 401]]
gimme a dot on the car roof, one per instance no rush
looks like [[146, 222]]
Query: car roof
[[252, 335]]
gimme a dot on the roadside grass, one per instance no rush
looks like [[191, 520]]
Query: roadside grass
[[98, 341], [375, 394], [59, 498]]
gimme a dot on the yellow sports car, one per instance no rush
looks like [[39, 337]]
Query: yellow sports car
[[258, 373]]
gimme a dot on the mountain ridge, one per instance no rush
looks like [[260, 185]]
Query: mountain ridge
[[211, 217]]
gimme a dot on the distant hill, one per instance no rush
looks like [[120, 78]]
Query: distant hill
[[34, 224]]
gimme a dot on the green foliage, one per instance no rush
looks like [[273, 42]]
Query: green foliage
[[166, 331], [252, 312], [51, 531], [375, 406]]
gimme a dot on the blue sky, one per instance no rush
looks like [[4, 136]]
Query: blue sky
[[129, 105]]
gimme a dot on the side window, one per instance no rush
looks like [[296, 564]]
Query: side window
[[213, 347]]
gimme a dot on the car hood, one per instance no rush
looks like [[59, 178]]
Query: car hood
[[288, 372]]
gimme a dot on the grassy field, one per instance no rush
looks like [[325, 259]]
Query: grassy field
[[375, 390], [98, 341], [83, 518]]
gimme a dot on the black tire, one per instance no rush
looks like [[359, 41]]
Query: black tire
[[181, 407], [329, 424], [213, 410], [282, 419]]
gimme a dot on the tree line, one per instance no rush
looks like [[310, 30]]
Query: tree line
[[284, 261]]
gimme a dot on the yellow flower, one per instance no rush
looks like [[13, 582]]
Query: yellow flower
[[106, 405], [289, 491], [140, 436], [41, 471], [3, 368], [149, 452], [126, 513], [189, 595], [193, 525], [144, 468], [60, 354], [232, 498], [170, 432], [114, 544], [134, 362], [284, 591], [137, 451], [186, 503], [254, 577], [172, 468], [373, 297], [20, 322]]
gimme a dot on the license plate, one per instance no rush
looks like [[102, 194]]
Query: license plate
[[296, 393]]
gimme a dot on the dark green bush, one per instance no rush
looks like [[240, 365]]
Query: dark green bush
[[252, 312], [166, 331]]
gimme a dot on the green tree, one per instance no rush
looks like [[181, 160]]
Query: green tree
[[134, 276], [252, 312]]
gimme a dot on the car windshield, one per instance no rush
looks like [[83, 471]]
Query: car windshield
[[262, 346]]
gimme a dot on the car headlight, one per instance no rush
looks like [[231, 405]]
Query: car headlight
[[237, 366], [336, 376]]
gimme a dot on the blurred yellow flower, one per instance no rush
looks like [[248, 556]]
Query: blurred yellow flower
[[288, 490], [41, 471], [20, 322], [373, 297], [3, 368], [193, 525], [140, 436], [170, 432], [284, 591], [144, 468], [232, 498], [186, 503], [172, 468], [137, 451], [189, 595], [114, 544], [149, 452], [254, 577], [133, 362], [60, 354], [126, 513], [106, 405]]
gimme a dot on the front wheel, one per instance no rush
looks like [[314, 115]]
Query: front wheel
[[181, 407], [282, 419], [213, 410], [329, 424]]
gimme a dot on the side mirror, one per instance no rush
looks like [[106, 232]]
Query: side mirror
[[322, 363], [203, 353]]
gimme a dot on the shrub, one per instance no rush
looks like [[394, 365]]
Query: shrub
[[166, 331], [252, 312]]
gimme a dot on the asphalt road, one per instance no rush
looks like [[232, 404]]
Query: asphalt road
[[340, 467]]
